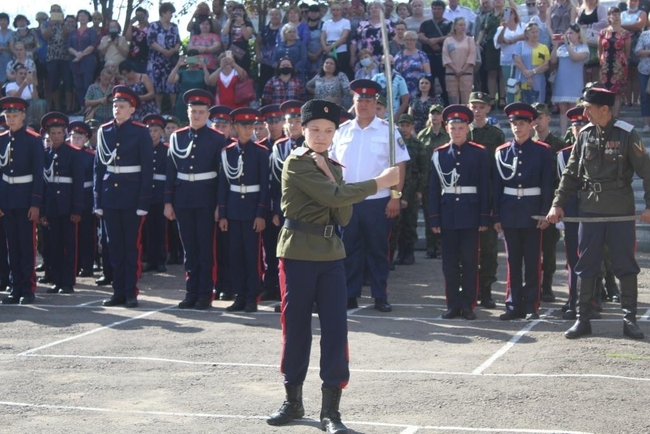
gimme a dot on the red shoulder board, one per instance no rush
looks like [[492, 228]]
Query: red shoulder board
[[4, 133], [336, 163], [107, 124], [90, 151], [565, 149], [139, 124], [182, 129], [166, 144], [76, 148], [477, 145], [505, 145], [538, 142], [33, 133], [303, 150], [232, 145], [446, 145], [261, 146]]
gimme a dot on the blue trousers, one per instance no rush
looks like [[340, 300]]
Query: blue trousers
[[86, 241], [620, 237], [63, 249], [270, 242], [571, 251], [4, 256], [366, 236], [197, 227], [460, 266], [107, 268], [303, 283], [245, 249], [524, 251], [155, 226], [224, 281], [21, 242], [123, 228]]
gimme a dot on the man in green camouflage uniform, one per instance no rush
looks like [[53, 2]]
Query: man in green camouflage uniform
[[433, 136], [490, 136], [405, 233], [551, 235]]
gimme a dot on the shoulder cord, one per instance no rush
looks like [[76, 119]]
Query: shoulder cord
[[501, 163], [231, 172], [105, 156], [443, 181], [175, 152], [6, 156], [278, 156], [561, 164], [49, 172]]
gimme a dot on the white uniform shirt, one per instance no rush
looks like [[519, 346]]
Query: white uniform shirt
[[364, 153], [461, 11]]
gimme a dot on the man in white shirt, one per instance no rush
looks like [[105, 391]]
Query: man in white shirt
[[361, 146], [454, 10]]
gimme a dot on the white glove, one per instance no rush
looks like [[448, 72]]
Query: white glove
[[99, 212], [141, 212]]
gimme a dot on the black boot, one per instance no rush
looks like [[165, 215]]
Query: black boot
[[611, 289], [409, 255], [582, 326], [486, 297], [291, 408], [547, 288], [401, 249], [330, 418], [629, 304]]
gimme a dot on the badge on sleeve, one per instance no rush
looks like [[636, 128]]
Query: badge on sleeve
[[400, 142], [640, 147]]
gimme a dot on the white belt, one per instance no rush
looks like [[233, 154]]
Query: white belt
[[88, 184], [519, 192], [17, 179], [123, 169], [245, 188], [158, 177], [196, 176], [460, 190], [62, 180]]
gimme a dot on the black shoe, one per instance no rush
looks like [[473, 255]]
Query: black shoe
[[148, 267], [330, 418], [451, 313], [352, 303], [399, 260], [237, 306], [66, 290], [54, 289], [27, 299], [509, 315], [488, 303], [131, 302], [468, 314], [382, 305], [203, 303], [278, 308], [103, 281], [114, 301], [532, 316], [548, 296], [391, 265], [580, 328], [40, 267], [85, 273], [161, 269], [187, 303], [223, 296], [250, 307], [45, 279], [269, 294], [569, 314], [291, 409], [97, 267], [631, 329], [409, 257], [566, 307], [11, 299]]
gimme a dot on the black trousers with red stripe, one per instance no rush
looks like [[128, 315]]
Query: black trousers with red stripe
[[63, 249], [460, 266], [245, 267], [21, 242], [524, 250], [302, 284], [197, 227], [123, 228]]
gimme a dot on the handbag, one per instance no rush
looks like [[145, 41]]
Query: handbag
[[512, 84], [244, 90], [237, 51], [591, 36]]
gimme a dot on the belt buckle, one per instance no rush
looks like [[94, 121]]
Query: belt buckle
[[10, 179], [243, 189], [116, 169], [520, 192], [329, 231], [191, 177], [596, 187], [456, 189]]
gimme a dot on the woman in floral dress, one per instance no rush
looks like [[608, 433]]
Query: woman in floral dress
[[165, 43], [412, 63], [614, 44], [368, 35], [330, 84], [420, 105]]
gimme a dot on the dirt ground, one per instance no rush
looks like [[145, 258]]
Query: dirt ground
[[68, 365]]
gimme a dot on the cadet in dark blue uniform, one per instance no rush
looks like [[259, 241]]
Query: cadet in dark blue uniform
[[21, 190], [460, 209], [191, 196], [243, 207], [155, 225], [62, 203], [273, 122], [523, 187], [123, 180], [80, 134], [4, 254], [221, 120]]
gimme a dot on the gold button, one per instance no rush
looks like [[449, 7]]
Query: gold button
[[519, 198], [117, 145], [519, 186], [457, 199], [154, 186], [457, 164], [458, 153], [11, 159], [13, 138], [56, 164], [521, 162], [117, 158], [194, 146], [115, 184], [11, 171], [155, 160], [190, 157]]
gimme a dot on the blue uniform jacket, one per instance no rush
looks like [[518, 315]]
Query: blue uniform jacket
[[239, 206], [133, 147], [282, 148], [63, 198], [159, 172], [88, 163], [534, 168], [207, 144], [466, 210], [571, 206], [25, 157]]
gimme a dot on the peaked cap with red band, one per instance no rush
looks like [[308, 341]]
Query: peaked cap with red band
[[457, 113], [12, 104], [198, 97], [220, 113], [125, 93], [576, 116], [520, 111], [54, 119], [154, 120], [245, 115], [272, 113], [80, 127], [291, 108], [365, 88]]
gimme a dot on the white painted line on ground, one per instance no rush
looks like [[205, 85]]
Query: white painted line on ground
[[90, 303], [355, 310], [511, 343], [93, 331], [315, 368], [407, 428], [410, 430], [645, 316]]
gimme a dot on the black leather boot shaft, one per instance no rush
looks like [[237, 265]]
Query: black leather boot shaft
[[586, 286], [330, 418], [291, 409]]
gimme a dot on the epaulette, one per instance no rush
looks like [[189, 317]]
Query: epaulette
[[33, 133], [4, 133], [625, 126], [505, 145], [384, 121], [300, 151], [136, 123], [231, 145], [182, 129], [446, 145], [539, 142], [564, 149], [106, 124], [336, 163], [261, 146], [90, 151], [76, 148], [478, 145]]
